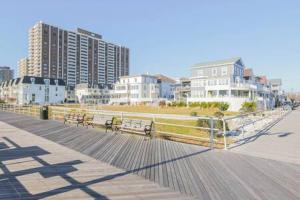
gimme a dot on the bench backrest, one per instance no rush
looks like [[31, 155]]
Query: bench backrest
[[136, 124], [102, 119]]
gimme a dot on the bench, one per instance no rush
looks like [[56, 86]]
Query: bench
[[74, 118], [136, 126], [102, 120]]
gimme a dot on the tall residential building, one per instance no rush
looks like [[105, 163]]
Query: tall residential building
[[6, 73], [75, 56], [23, 67]]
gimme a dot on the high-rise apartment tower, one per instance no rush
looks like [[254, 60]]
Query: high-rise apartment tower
[[75, 56]]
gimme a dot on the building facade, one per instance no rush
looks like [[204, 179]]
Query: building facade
[[33, 90], [6, 73], [142, 89], [23, 67], [75, 56], [182, 89], [227, 81], [92, 95]]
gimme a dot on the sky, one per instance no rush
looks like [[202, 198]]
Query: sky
[[169, 36]]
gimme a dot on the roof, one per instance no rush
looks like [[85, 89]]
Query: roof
[[37, 80], [165, 78], [132, 76], [218, 63]]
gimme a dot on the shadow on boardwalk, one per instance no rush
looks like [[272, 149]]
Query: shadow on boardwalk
[[51, 170]]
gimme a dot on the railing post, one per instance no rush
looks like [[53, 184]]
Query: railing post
[[224, 134], [211, 133], [154, 131]]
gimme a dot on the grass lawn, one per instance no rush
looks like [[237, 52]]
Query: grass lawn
[[156, 109], [184, 131]]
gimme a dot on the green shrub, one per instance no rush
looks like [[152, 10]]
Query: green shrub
[[249, 107], [194, 104], [194, 113], [219, 114], [218, 124], [181, 104], [178, 104], [2, 101], [203, 123], [162, 103], [223, 106]]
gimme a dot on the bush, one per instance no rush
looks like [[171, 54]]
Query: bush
[[218, 124], [162, 103], [177, 104], [249, 107], [2, 101], [223, 106], [219, 114], [193, 113]]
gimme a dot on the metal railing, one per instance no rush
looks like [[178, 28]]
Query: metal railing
[[232, 129], [26, 110], [164, 124], [249, 124]]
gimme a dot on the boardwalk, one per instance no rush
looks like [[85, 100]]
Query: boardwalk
[[281, 142], [192, 170], [35, 168]]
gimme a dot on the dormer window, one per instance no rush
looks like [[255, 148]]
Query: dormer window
[[32, 80], [47, 81]]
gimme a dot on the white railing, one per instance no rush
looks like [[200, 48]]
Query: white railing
[[27, 110], [233, 128], [57, 113], [249, 124]]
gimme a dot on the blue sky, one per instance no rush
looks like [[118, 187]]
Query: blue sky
[[168, 36]]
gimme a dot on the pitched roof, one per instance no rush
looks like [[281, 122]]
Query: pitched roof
[[218, 62], [164, 78], [37, 80]]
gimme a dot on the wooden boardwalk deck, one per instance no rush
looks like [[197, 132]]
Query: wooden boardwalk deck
[[192, 170]]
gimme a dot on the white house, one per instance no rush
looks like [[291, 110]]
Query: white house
[[92, 95], [227, 81], [141, 89], [33, 90]]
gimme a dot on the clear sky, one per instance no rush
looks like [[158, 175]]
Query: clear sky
[[168, 36]]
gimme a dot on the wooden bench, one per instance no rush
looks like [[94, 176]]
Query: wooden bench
[[136, 126], [102, 120], [74, 118]]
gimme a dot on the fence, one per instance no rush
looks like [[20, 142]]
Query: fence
[[172, 127], [249, 124], [26, 110], [213, 132]]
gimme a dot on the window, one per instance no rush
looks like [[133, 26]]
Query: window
[[214, 72], [33, 98], [200, 72], [224, 71]]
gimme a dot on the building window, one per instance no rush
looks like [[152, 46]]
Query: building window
[[33, 98], [200, 72], [214, 72], [224, 71]]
